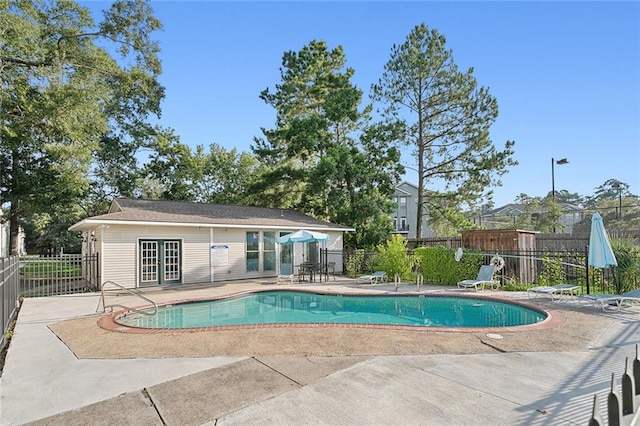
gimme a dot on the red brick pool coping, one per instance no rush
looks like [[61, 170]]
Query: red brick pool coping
[[554, 317]]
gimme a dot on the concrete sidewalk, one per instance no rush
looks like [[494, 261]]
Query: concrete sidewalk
[[44, 383]]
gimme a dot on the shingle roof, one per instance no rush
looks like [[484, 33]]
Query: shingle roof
[[180, 212], [512, 208]]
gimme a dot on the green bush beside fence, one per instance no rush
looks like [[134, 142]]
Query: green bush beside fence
[[439, 266]]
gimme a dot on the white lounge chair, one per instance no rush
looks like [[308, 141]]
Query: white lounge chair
[[376, 277], [285, 278], [613, 302], [485, 276], [560, 290]]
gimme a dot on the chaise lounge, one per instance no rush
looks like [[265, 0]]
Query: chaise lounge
[[485, 276], [560, 290], [376, 277], [613, 302]]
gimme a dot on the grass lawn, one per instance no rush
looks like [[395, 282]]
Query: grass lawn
[[51, 269]]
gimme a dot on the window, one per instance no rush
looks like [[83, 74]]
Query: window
[[257, 251], [269, 251], [403, 223], [160, 262], [253, 251], [403, 201]]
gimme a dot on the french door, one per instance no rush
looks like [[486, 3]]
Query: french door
[[286, 257], [160, 262]]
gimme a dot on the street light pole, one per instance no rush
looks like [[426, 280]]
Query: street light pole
[[618, 187], [560, 162], [553, 186]]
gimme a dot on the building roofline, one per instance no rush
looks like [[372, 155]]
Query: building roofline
[[90, 224]]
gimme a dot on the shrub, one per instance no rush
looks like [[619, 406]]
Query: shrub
[[552, 272], [439, 266], [359, 262], [393, 258], [628, 269]]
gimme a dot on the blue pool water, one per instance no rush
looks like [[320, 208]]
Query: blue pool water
[[278, 307]]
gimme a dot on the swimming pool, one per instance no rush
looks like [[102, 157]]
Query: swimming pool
[[301, 307]]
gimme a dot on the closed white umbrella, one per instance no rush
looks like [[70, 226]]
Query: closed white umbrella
[[600, 252]]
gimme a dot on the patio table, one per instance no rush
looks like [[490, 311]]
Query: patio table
[[307, 269]]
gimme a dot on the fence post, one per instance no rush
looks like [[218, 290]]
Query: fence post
[[596, 417], [636, 371], [628, 391], [586, 265], [614, 404]]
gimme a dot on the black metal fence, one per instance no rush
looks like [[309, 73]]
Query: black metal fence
[[622, 407], [525, 267], [9, 293], [55, 275]]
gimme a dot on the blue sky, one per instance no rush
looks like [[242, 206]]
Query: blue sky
[[566, 75]]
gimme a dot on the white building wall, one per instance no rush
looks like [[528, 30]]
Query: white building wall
[[118, 246], [120, 252], [235, 239], [4, 238], [409, 211]]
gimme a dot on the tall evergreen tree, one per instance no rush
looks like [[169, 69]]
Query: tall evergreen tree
[[447, 118], [325, 157]]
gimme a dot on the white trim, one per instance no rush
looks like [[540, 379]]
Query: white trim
[[101, 258], [86, 224], [138, 280], [211, 268]]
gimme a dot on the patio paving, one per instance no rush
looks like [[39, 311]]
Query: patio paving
[[62, 369]]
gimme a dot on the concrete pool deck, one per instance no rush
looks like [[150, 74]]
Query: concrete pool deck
[[63, 369]]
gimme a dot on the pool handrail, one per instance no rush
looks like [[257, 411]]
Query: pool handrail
[[130, 291]]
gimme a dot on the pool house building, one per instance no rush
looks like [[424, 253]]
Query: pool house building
[[144, 243]]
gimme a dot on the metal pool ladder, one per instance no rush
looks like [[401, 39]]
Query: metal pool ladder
[[144, 311]]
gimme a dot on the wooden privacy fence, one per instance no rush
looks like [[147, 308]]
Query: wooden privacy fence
[[550, 242]]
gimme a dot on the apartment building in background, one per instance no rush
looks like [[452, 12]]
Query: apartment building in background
[[405, 217]]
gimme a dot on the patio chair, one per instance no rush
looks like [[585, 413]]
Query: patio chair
[[485, 276], [330, 269], [613, 302], [376, 277], [305, 270]]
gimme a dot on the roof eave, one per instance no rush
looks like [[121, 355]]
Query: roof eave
[[91, 224]]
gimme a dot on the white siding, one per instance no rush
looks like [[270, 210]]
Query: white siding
[[120, 252], [336, 244], [119, 249], [235, 239]]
